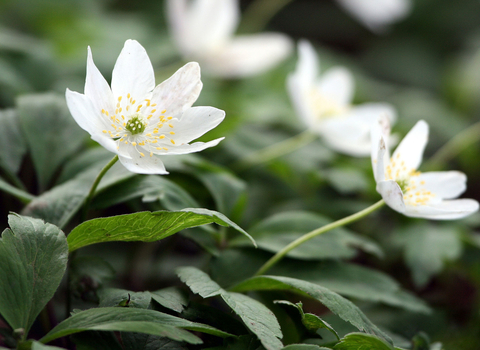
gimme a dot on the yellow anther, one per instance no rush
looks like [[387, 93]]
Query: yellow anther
[[119, 98], [104, 131], [134, 143], [103, 111], [153, 111], [150, 135], [170, 125], [151, 154], [165, 148], [143, 155], [162, 136], [128, 95], [159, 148], [149, 116], [422, 182], [172, 132], [169, 118], [164, 111], [172, 141], [155, 131], [128, 107]]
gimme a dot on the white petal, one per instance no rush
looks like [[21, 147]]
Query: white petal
[[392, 194], [412, 146], [248, 55], [350, 133], [180, 91], [444, 184], [97, 88], [190, 148], [380, 132], [106, 142], [143, 165], [301, 82], [444, 210], [337, 84], [195, 122], [377, 14], [82, 110], [133, 72]]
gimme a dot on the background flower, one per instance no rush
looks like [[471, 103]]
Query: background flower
[[203, 31], [324, 103]]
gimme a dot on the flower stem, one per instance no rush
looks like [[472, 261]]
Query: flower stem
[[453, 147], [347, 220], [260, 12], [274, 151], [89, 198]]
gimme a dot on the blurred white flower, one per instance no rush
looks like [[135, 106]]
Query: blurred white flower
[[410, 192], [377, 14], [203, 31], [323, 102], [139, 121]]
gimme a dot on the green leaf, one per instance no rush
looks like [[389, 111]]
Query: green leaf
[[340, 306], [355, 281], [256, 316], [94, 340], [310, 321], [277, 231], [33, 257], [304, 347], [139, 341], [172, 298], [144, 226], [51, 133], [131, 320], [16, 192], [12, 141], [122, 297], [35, 345], [361, 341], [427, 247]]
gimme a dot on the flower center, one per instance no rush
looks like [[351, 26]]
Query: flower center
[[136, 124], [325, 107]]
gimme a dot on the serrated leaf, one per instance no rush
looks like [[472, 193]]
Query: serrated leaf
[[51, 133], [144, 226], [172, 298], [340, 306], [360, 341], [256, 316], [33, 259], [279, 230], [11, 139], [131, 320]]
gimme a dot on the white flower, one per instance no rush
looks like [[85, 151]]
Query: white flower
[[377, 14], [203, 31], [324, 104], [410, 192], [139, 121]]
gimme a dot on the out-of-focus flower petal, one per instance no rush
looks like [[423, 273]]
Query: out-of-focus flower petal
[[444, 210], [445, 184], [412, 146], [337, 84], [377, 14], [248, 55], [392, 194]]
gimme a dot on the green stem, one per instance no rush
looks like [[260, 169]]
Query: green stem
[[260, 12], [453, 147], [274, 151], [89, 198], [345, 221]]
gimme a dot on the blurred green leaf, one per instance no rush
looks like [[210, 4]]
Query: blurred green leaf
[[275, 232], [356, 341], [87, 274], [139, 341], [144, 226], [33, 257], [304, 347], [52, 134], [131, 320], [93, 340], [171, 297], [35, 345], [256, 316], [427, 247], [12, 142], [14, 191], [340, 306], [121, 297]]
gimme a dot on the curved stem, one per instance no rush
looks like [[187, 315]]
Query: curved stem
[[453, 147], [89, 198], [347, 220], [274, 151]]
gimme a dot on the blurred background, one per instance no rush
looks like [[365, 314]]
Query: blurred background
[[427, 65]]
